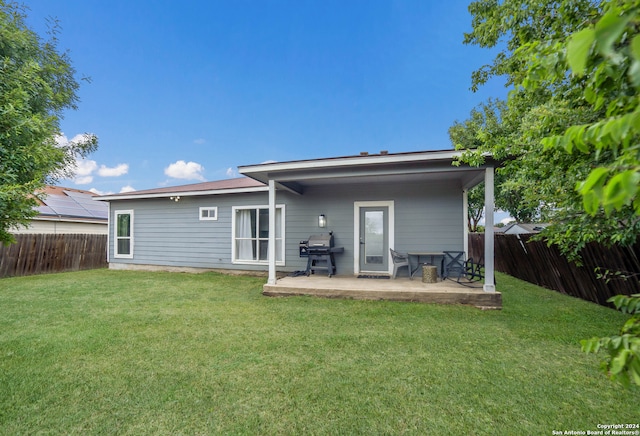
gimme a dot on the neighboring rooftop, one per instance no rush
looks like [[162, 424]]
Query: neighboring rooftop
[[240, 184], [71, 203], [520, 228]]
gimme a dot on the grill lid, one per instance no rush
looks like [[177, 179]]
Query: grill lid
[[320, 241]]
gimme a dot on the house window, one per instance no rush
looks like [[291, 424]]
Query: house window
[[123, 234], [208, 214], [251, 234]]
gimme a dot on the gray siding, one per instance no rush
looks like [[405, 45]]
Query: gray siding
[[170, 233], [428, 217]]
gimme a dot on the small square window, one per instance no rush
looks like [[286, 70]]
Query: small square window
[[208, 214]]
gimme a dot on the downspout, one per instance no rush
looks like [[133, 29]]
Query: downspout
[[489, 205], [109, 223], [272, 233]]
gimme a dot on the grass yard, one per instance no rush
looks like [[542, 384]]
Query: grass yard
[[132, 353]]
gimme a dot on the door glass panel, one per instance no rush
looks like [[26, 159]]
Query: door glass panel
[[374, 237]]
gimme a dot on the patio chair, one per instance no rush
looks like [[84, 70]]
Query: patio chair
[[474, 270], [453, 265], [399, 260]]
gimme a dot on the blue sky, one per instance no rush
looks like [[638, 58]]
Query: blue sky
[[186, 91]]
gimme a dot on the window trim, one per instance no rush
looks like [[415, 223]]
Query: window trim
[[265, 262], [208, 208], [116, 237]]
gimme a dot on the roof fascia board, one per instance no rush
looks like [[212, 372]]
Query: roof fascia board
[[352, 161], [347, 173], [69, 219], [183, 193]]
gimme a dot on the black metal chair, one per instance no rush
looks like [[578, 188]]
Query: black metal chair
[[399, 260], [474, 270], [453, 265]]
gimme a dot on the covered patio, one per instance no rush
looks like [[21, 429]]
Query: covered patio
[[413, 203], [399, 289]]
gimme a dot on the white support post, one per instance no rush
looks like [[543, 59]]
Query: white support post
[[272, 233], [465, 222], [489, 206]]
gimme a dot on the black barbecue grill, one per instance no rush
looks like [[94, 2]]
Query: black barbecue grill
[[319, 250]]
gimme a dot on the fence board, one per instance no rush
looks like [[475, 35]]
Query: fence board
[[537, 263], [47, 253]]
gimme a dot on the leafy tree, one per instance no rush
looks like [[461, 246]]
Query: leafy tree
[[475, 207], [37, 85], [537, 179], [604, 56], [478, 132], [623, 360], [575, 69]]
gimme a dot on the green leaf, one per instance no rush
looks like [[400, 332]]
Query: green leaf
[[574, 135], [609, 29], [635, 47], [590, 345], [551, 142], [619, 362], [578, 49], [590, 202], [595, 179], [634, 69], [634, 369], [590, 95], [621, 189]]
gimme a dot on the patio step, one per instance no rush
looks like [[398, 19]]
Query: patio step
[[393, 290]]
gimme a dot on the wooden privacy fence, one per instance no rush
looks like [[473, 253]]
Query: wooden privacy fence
[[537, 263], [38, 254]]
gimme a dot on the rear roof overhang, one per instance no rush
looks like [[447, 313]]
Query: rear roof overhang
[[399, 167]]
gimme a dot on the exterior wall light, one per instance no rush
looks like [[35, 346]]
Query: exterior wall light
[[322, 221]]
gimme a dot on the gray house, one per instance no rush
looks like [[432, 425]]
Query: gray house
[[370, 203]]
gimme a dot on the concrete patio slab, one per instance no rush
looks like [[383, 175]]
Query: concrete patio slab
[[400, 289]]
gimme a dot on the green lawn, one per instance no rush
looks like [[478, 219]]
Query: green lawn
[[123, 352]]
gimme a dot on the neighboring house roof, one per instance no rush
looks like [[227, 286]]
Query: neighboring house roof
[[228, 186], [71, 204], [515, 228]]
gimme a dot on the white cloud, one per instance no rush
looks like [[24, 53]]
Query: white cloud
[[231, 172], [85, 180], [62, 139], [116, 171], [83, 169], [95, 191], [185, 170], [127, 188]]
